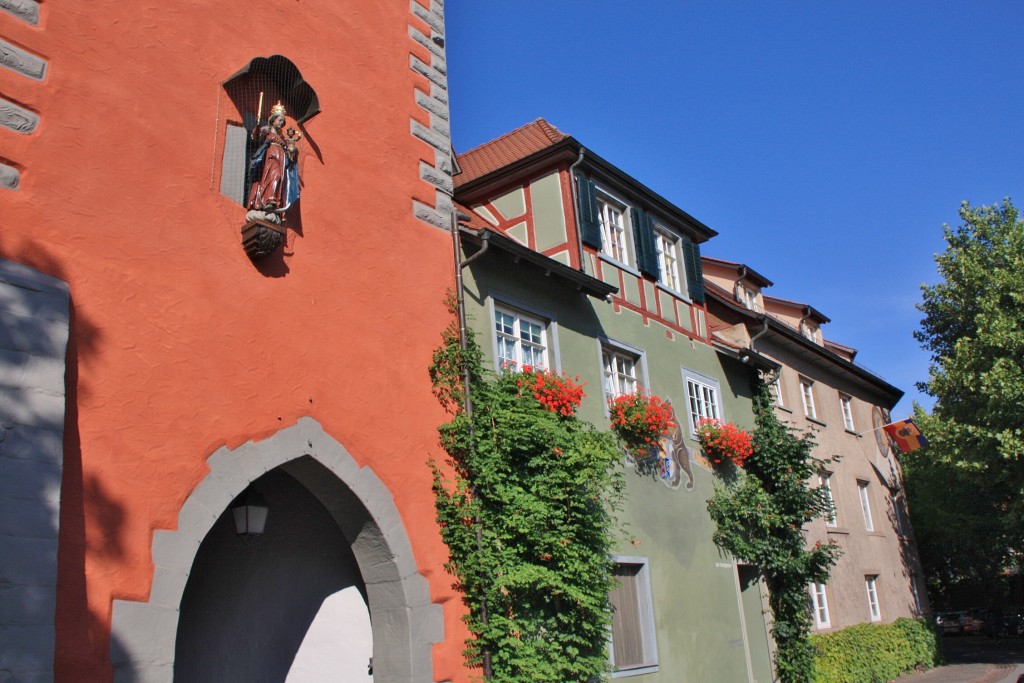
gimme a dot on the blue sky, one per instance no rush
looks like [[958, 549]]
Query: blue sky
[[826, 142]]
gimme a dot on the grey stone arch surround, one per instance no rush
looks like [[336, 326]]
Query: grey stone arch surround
[[405, 622]]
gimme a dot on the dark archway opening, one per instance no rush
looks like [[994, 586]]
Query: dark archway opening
[[252, 605]]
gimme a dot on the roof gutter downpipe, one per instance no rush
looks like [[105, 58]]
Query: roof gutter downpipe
[[761, 332], [460, 298], [576, 205]]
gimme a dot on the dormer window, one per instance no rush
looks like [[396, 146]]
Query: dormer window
[[612, 215], [747, 296], [809, 330], [667, 246]]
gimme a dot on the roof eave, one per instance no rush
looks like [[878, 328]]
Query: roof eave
[[580, 281]]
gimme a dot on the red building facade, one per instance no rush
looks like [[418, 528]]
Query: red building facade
[[194, 375]]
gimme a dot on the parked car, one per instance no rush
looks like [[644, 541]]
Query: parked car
[[950, 623]]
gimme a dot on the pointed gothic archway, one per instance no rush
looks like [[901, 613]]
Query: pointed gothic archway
[[405, 622]]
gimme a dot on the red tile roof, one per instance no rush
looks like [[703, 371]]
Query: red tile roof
[[517, 144]]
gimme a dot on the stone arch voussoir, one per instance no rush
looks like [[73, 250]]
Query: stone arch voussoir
[[405, 622]]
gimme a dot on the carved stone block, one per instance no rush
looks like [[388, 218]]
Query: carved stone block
[[10, 177], [25, 63], [26, 10], [18, 119]]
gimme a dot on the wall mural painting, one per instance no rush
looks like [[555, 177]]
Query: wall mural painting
[[669, 459]]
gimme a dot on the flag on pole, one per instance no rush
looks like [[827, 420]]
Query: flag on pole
[[906, 435]]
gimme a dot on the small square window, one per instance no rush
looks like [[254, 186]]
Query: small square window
[[846, 405], [520, 339], [825, 482], [865, 504], [634, 649], [613, 219], [807, 396], [870, 582], [819, 601]]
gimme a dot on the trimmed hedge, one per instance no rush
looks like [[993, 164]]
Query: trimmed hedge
[[874, 653]]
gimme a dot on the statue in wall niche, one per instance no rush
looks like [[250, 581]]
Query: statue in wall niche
[[273, 171]]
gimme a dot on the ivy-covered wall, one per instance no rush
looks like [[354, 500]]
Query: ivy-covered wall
[[707, 628]]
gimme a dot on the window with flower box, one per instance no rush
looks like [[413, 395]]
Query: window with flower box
[[634, 648], [520, 339], [702, 401], [622, 370]]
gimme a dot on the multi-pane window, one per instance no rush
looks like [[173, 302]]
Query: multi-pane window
[[746, 296], [825, 482], [634, 649], [807, 396], [619, 373], [613, 229], [846, 405], [668, 259], [820, 602], [872, 588], [776, 388], [702, 399], [521, 340], [865, 505], [897, 511]]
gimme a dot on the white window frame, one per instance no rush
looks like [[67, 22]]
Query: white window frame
[[776, 388], [614, 236], [702, 398], [648, 633], [612, 386], [825, 482], [865, 504], [874, 611], [666, 243], [515, 336], [807, 398], [846, 406], [747, 296], [819, 603]]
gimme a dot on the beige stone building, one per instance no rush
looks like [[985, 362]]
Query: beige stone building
[[819, 388]]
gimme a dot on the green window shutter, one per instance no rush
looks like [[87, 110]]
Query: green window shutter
[[590, 222], [643, 239], [694, 272]]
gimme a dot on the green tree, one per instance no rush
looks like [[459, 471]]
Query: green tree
[[527, 508], [760, 518], [973, 327]]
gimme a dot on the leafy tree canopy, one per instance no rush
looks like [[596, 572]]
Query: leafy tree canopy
[[968, 482]]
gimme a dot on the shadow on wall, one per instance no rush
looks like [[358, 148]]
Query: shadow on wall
[[47, 498]]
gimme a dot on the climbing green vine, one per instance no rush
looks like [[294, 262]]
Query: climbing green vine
[[526, 502], [760, 518]]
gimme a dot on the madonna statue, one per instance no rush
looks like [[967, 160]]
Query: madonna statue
[[272, 170]]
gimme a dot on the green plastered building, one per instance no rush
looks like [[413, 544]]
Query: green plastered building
[[570, 264]]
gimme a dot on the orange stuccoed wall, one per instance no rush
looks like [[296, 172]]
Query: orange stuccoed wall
[[180, 344]]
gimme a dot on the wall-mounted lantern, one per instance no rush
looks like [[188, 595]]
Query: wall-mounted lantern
[[250, 513]]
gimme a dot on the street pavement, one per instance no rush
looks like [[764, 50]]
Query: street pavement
[[976, 659]]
